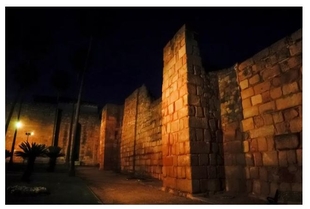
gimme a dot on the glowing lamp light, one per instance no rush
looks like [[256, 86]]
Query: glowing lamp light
[[32, 133], [18, 124]]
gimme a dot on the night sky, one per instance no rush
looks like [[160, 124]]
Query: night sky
[[127, 46]]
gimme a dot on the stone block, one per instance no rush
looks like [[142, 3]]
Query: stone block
[[246, 103], [181, 172], [256, 187], [291, 113], [169, 182], [291, 157], [262, 87], [253, 145], [266, 96], [290, 88], [281, 128], [203, 159], [257, 99], [247, 124], [262, 144], [287, 141], [263, 131], [282, 159], [257, 159], [277, 117], [244, 84], [250, 112], [183, 160], [276, 93], [245, 146], [249, 159], [270, 158], [267, 107], [289, 101], [267, 119], [296, 125], [255, 79], [270, 143], [213, 159], [259, 121], [200, 147], [184, 185], [291, 75], [247, 93], [271, 72]]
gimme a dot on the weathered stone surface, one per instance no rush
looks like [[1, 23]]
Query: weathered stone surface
[[290, 88], [276, 93], [289, 101], [250, 112], [299, 156], [267, 107], [257, 99], [262, 144], [255, 79], [257, 159], [262, 87], [263, 174], [282, 159], [247, 124], [277, 117], [271, 72], [247, 93], [246, 103], [296, 125], [286, 141], [263, 131], [244, 84], [270, 158]]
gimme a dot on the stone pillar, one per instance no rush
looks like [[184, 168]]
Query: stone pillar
[[188, 157]]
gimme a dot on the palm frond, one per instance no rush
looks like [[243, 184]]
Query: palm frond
[[31, 150]]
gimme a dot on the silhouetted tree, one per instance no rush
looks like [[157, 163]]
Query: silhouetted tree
[[60, 81], [53, 153], [26, 74], [30, 152]]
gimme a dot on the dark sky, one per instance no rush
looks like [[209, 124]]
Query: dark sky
[[127, 46]]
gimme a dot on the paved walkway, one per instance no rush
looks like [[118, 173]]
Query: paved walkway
[[114, 188], [93, 186]]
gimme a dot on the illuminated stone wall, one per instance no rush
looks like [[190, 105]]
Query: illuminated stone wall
[[271, 92], [39, 118], [109, 147], [141, 152]]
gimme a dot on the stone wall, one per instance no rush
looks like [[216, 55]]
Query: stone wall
[[231, 117], [271, 92], [141, 135], [191, 158], [109, 137], [39, 118]]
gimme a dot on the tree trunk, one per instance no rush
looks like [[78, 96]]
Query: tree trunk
[[29, 169], [8, 119], [54, 141], [51, 164]]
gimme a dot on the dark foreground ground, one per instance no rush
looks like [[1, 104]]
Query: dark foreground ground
[[92, 186]]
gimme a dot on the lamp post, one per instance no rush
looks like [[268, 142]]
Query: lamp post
[[17, 126], [29, 134]]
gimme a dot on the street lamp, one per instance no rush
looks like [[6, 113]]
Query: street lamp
[[17, 126], [29, 134]]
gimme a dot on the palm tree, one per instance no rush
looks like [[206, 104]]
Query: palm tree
[[60, 81], [53, 153], [82, 69], [26, 75], [31, 152]]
